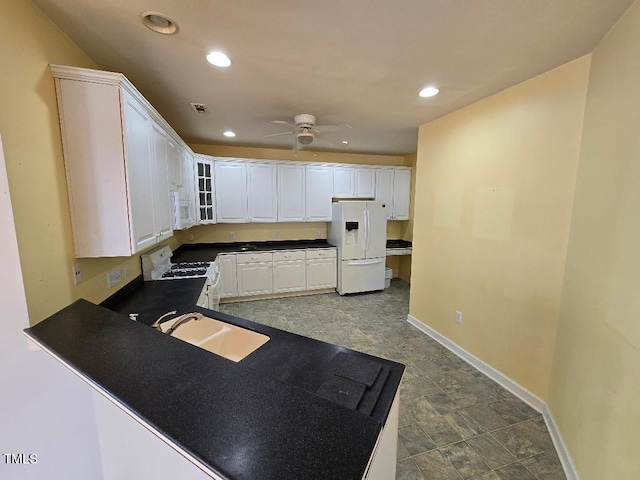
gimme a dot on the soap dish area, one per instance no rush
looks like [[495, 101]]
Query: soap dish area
[[229, 341]]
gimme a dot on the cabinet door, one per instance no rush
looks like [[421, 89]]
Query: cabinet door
[[255, 278], [231, 192], [321, 273], [188, 190], [401, 194], [384, 189], [228, 281], [291, 193], [138, 139], [318, 193], [365, 182], [289, 276], [343, 182], [174, 165], [205, 198], [160, 198], [262, 195]]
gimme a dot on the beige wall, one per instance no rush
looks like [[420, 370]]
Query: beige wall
[[33, 152], [494, 190], [595, 385]]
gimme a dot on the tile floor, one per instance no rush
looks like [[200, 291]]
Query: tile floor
[[455, 423]]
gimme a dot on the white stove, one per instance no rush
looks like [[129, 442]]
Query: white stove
[[156, 265]]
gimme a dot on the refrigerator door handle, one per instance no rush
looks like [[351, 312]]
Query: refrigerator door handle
[[365, 262], [366, 231]]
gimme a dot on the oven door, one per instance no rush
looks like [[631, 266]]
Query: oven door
[[210, 294]]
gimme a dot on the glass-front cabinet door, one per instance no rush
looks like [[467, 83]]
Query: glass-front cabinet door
[[205, 194]]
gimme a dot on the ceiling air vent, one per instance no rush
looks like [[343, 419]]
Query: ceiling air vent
[[200, 107]]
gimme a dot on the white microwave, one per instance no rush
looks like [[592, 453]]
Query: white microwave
[[183, 212]]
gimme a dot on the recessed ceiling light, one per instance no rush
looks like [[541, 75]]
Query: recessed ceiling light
[[158, 23], [428, 92], [218, 59], [345, 142], [229, 133]]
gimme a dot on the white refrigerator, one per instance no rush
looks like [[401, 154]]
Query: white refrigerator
[[359, 230]]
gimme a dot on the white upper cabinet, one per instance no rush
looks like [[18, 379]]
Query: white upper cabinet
[[401, 194], [384, 189], [393, 188], [161, 203], [291, 193], [354, 182], [231, 192], [188, 189], [247, 190], [343, 182], [365, 182], [174, 165], [139, 138], [261, 186], [318, 193], [118, 186]]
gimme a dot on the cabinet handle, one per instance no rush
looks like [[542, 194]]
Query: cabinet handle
[[321, 254], [287, 256]]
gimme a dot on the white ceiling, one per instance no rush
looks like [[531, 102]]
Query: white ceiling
[[359, 62]]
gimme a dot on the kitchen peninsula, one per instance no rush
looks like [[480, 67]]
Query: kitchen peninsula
[[269, 416]]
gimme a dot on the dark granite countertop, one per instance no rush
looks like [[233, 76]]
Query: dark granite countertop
[[201, 252], [399, 244], [265, 404]]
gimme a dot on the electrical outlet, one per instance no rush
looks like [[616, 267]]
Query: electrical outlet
[[126, 271], [275, 234], [77, 278], [458, 316], [318, 233], [113, 277], [232, 236]]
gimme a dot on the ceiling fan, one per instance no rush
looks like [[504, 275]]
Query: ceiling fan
[[305, 129]]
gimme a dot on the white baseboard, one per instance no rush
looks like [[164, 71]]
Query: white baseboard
[[563, 452], [518, 390]]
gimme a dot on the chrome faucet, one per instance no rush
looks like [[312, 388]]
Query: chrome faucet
[[182, 320]]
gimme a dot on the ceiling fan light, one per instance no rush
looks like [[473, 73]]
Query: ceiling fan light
[[218, 59], [428, 92], [229, 134], [305, 138]]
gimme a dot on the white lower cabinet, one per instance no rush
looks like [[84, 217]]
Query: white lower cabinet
[[228, 279], [276, 272], [254, 271], [289, 271], [321, 269]]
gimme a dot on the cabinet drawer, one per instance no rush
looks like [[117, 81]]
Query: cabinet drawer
[[288, 255], [254, 257], [321, 253]]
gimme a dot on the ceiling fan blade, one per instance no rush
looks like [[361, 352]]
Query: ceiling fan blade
[[278, 134], [283, 122], [333, 128]]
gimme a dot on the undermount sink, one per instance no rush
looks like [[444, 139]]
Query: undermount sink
[[224, 339]]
